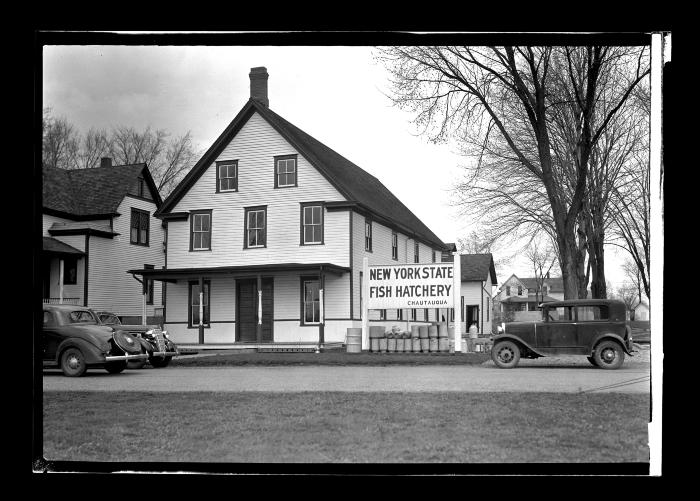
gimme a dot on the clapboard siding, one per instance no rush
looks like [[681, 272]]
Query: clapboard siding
[[381, 254], [255, 147], [110, 287]]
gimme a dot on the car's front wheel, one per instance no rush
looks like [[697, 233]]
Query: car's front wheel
[[505, 354], [115, 367], [73, 362], [158, 362], [608, 355]]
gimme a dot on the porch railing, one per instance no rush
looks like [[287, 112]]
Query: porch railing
[[66, 300]]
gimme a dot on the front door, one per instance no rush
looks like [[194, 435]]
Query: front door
[[247, 310]]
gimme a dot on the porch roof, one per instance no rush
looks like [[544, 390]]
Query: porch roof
[[55, 246], [529, 299], [175, 274]]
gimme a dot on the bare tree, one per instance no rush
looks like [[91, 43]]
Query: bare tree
[[94, 145], [627, 293], [60, 141], [505, 106], [167, 160], [543, 258]]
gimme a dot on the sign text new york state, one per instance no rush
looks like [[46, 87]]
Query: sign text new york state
[[410, 286]]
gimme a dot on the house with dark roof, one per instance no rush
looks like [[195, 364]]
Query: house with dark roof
[[267, 235], [97, 224], [478, 285], [520, 298]]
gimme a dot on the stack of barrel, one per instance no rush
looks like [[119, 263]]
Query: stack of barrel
[[421, 339]]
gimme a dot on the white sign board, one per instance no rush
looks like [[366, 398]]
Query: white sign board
[[410, 286]]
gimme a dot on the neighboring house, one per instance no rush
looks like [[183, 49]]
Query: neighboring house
[[520, 298], [97, 224], [478, 281], [641, 311], [267, 235]]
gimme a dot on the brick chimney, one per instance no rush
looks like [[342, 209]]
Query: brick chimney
[[258, 85], [106, 162]]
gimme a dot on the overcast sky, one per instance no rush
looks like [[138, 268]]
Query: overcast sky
[[335, 94]]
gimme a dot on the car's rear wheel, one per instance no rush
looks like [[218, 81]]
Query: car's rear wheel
[[592, 361], [73, 362], [160, 361], [505, 354], [115, 367], [608, 355]]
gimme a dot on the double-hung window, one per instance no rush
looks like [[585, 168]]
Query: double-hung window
[[311, 223], [139, 227], [311, 302], [194, 304], [255, 227], [394, 246], [285, 171], [149, 284], [368, 235], [416, 255], [200, 230], [227, 176]]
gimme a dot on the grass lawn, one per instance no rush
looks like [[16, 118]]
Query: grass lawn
[[345, 427], [333, 357]]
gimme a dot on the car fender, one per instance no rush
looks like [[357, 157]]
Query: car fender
[[93, 354], [613, 336], [147, 347], [516, 339]]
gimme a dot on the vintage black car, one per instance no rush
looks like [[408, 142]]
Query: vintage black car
[[154, 341], [74, 340], [596, 328]]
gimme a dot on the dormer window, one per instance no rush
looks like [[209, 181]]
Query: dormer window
[[507, 290], [520, 290], [285, 171], [227, 176]]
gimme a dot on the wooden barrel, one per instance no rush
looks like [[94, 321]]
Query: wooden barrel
[[433, 344], [433, 331], [383, 344], [451, 333], [443, 344], [423, 332], [424, 344], [415, 345], [376, 332], [415, 331], [442, 330], [400, 345], [353, 340], [391, 345]]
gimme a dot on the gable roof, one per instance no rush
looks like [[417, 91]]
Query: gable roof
[[555, 284], [477, 267], [359, 188], [93, 192]]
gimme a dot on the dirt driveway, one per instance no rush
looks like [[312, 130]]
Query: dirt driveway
[[544, 375]]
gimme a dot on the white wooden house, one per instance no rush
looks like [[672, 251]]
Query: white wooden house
[[521, 297], [478, 282], [267, 233], [97, 224]]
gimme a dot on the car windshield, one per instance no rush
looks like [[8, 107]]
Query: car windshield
[[81, 317]]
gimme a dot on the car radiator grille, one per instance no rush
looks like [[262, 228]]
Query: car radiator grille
[[160, 340]]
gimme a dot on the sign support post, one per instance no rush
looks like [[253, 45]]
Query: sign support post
[[456, 300], [363, 304]]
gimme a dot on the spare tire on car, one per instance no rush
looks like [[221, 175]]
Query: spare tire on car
[[127, 342]]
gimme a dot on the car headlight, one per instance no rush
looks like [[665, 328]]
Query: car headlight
[[499, 329], [149, 332], [165, 335]]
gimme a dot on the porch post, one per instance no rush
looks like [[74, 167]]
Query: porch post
[[322, 316], [363, 304], [201, 310], [144, 291], [60, 281], [258, 326], [457, 299]]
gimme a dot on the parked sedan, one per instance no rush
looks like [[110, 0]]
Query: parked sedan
[[74, 340], [596, 328], [154, 341]]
